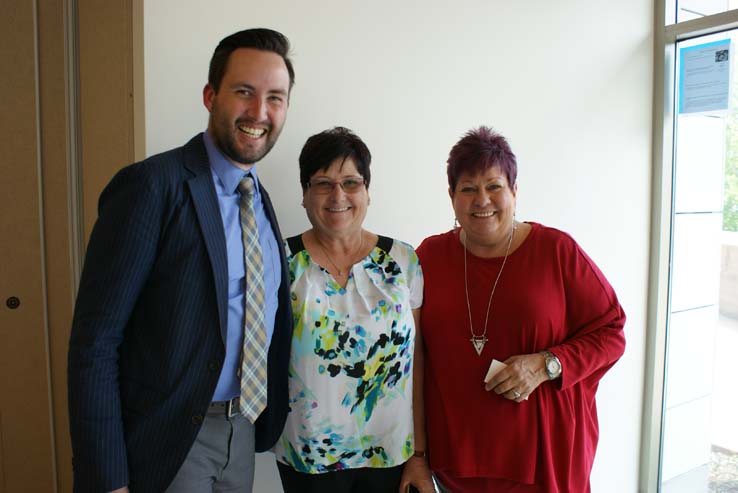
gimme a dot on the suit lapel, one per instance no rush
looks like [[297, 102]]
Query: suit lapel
[[211, 224]]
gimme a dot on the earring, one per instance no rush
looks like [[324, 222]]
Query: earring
[[456, 222]]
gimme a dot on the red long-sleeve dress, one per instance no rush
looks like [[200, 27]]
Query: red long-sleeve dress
[[550, 296]]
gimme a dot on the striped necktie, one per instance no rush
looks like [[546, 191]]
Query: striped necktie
[[254, 356]]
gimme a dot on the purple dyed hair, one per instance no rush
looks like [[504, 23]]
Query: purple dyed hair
[[478, 150]]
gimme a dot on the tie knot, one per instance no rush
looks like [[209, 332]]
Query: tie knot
[[246, 186]]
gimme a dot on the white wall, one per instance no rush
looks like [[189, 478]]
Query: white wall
[[568, 82]]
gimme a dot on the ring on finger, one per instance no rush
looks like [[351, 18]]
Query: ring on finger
[[516, 394]]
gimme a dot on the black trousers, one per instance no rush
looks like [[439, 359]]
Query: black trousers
[[361, 480]]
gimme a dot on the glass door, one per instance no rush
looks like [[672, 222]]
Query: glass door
[[699, 443]]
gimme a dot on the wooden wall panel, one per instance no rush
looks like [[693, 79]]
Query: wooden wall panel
[[106, 104], [25, 409], [58, 224], [72, 116]]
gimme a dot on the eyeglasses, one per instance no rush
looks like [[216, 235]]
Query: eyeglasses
[[348, 185]]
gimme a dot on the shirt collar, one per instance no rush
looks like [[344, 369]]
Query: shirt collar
[[229, 174]]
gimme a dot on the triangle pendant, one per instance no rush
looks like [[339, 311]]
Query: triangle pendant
[[478, 342]]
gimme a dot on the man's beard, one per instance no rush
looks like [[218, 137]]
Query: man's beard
[[224, 136], [230, 149]]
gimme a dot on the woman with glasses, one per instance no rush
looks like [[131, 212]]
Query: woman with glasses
[[356, 298]]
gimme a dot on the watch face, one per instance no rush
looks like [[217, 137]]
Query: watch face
[[552, 366]]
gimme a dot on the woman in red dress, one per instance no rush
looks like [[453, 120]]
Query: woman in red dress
[[524, 295]]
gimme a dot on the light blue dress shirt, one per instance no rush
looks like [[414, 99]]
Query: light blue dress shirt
[[226, 177]]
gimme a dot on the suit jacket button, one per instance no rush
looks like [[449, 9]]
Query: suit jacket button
[[213, 365], [197, 419]]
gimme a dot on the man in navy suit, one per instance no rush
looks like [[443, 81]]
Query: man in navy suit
[[156, 344]]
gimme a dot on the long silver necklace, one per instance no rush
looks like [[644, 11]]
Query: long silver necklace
[[356, 253], [478, 341]]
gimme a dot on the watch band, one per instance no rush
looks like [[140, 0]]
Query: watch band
[[552, 365]]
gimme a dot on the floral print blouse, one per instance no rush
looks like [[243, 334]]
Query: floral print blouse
[[351, 366]]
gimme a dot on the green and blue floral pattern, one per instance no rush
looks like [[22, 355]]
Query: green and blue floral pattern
[[351, 364]]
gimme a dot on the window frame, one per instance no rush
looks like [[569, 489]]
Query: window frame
[[662, 202]]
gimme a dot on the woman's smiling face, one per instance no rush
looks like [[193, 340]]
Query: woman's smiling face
[[337, 213], [484, 205]]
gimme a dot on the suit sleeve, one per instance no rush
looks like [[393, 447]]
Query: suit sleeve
[[594, 321], [119, 257]]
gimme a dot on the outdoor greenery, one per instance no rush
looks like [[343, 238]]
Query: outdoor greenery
[[730, 194]]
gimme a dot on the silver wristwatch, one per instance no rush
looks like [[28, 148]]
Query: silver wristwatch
[[553, 365]]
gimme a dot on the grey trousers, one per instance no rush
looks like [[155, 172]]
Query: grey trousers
[[221, 459]]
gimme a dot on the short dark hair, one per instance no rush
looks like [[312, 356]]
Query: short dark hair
[[480, 149], [323, 148], [259, 39]]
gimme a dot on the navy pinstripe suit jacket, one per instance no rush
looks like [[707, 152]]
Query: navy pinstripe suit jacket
[[147, 341]]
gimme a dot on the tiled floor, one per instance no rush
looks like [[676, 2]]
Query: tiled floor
[[725, 386], [724, 457], [723, 476]]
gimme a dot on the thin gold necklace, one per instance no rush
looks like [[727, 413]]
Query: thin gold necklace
[[356, 253], [478, 341]]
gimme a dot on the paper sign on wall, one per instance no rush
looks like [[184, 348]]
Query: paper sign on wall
[[704, 77]]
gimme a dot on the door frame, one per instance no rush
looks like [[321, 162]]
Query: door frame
[[84, 68]]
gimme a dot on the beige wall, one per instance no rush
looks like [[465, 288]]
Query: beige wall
[[568, 82]]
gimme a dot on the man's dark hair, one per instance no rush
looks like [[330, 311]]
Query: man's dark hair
[[259, 39]]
